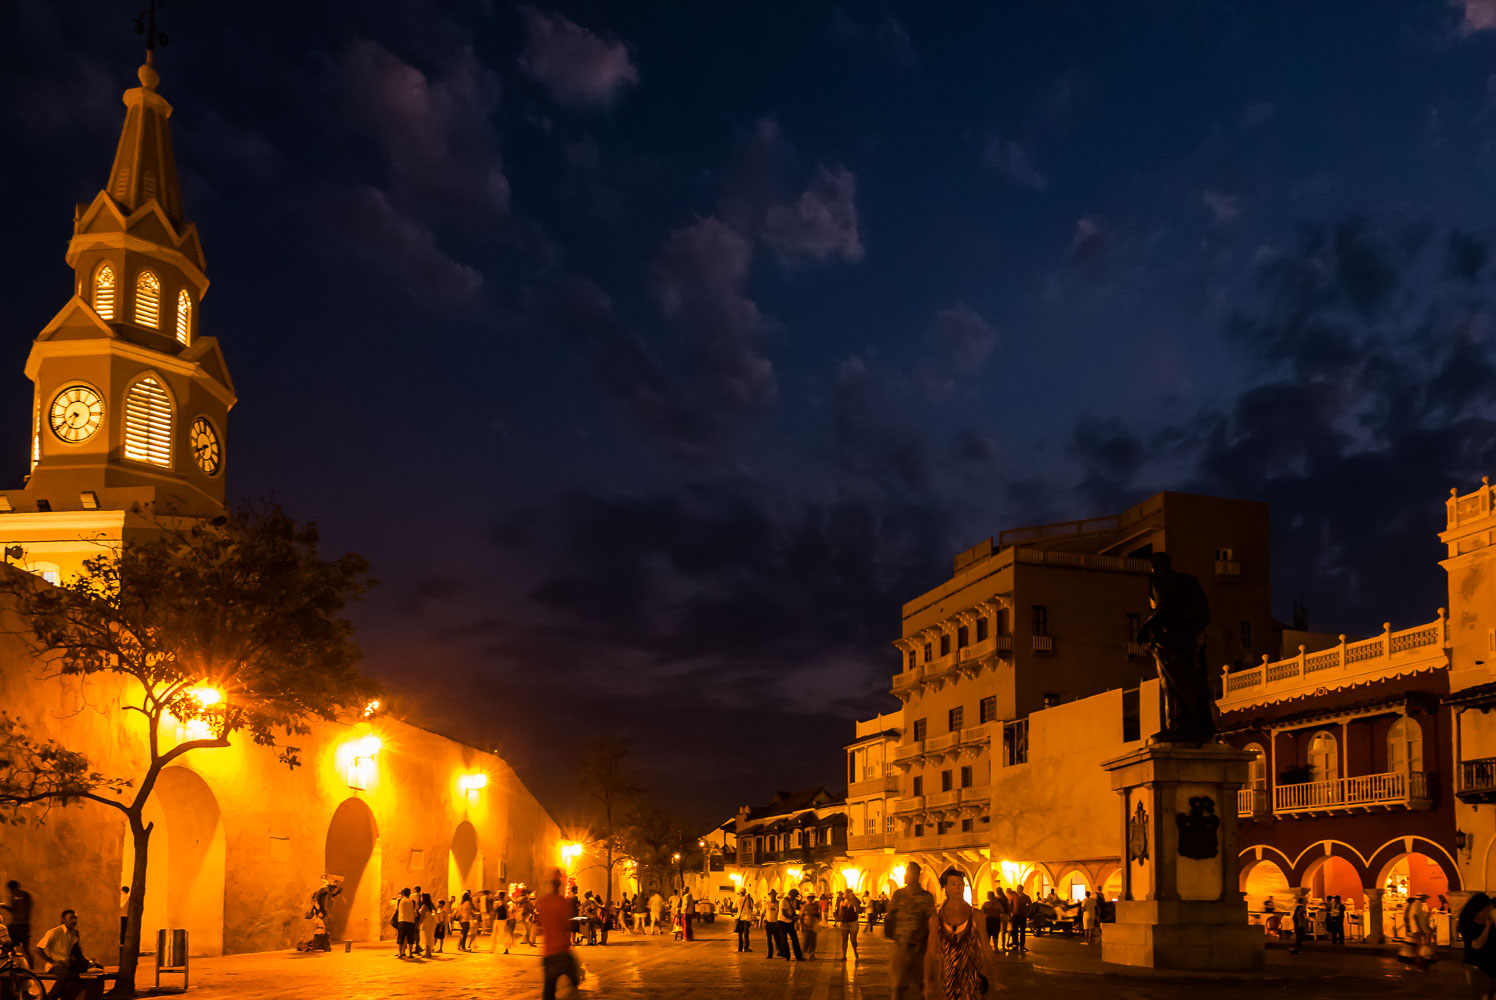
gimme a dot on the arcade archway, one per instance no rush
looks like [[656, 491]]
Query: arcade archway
[[352, 853], [185, 862]]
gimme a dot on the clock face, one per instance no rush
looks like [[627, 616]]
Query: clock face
[[206, 450], [76, 413]]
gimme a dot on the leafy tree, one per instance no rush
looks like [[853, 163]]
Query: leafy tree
[[232, 625], [611, 790]]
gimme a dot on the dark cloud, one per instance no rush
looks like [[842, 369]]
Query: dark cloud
[[578, 68], [436, 133], [819, 225], [404, 248], [1014, 162]]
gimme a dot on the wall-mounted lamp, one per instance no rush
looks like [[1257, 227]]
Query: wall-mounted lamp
[[1462, 840], [361, 753], [470, 784]]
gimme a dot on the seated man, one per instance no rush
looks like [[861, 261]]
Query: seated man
[[62, 951]]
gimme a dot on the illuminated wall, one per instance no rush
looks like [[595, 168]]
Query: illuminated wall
[[241, 841]]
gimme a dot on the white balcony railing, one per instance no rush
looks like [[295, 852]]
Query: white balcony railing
[[1360, 792], [1390, 654], [1252, 802]]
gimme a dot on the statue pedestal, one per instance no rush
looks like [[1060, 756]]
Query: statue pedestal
[[1181, 906]]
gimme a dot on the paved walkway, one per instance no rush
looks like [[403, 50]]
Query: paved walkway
[[652, 968]]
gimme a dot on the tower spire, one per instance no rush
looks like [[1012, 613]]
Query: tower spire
[[145, 168]]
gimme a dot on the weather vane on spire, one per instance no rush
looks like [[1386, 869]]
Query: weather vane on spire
[[145, 24]]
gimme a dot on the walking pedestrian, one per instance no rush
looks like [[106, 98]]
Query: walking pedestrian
[[1300, 919], [1475, 924], [771, 922], [440, 919], [17, 909], [556, 959], [959, 966], [1021, 907], [426, 923], [687, 912], [1090, 909], [528, 914], [1419, 931], [908, 924], [656, 914], [405, 925], [465, 914], [1335, 919], [992, 919], [744, 925], [810, 924], [503, 924], [846, 922]]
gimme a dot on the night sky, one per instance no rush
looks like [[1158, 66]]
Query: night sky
[[654, 353]]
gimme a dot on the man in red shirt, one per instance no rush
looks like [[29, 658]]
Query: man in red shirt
[[556, 959]]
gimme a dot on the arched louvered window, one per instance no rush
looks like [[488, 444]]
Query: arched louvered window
[[148, 422], [184, 316], [1405, 746], [103, 297], [148, 300]]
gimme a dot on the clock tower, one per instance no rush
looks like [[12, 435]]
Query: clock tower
[[131, 400]]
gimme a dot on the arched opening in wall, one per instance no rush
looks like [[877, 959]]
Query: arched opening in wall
[[1073, 885], [1039, 883], [184, 862], [352, 853], [1410, 875], [464, 861], [1262, 880], [1111, 886], [1334, 876]]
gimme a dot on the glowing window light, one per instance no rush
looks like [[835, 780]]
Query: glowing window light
[[148, 423], [148, 300], [184, 316], [104, 292]]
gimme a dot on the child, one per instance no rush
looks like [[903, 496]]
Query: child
[[443, 917]]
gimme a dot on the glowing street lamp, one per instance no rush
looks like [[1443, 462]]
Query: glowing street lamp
[[569, 853], [471, 784], [361, 753]]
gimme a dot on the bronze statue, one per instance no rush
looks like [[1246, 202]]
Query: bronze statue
[[1175, 634]]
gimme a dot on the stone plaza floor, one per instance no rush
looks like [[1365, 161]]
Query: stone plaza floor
[[656, 968]]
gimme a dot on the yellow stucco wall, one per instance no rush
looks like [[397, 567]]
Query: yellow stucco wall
[[273, 822]]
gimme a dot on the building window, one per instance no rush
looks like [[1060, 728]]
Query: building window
[[1051, 699], [1134, 622], [1405, 746], [955, 717], [962, 638], [1041, 620], [947, 781], [966, 826], [104, 292], [851, 767], [1246, 635], [1324, 757], [1132, 715], [943, 827], [184, 316], [911, 660], [918, 785], [929, 652], [1225, 555], [1257, 769], [1015, 742], [982, 627], [919, 829], [888, 824], [148, 300], [1003, 625], [919, 730], [965, 775], [148, 423], [987, 708], [945, 644]]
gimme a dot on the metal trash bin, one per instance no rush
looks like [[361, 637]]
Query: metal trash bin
[[171, 955]]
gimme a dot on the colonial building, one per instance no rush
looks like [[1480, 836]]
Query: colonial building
[[129, 424], [798, 840], [1043, 617]]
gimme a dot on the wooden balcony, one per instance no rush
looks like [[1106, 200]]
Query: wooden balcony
[[1253, 803], [1362, 793], [908, 681], [939, 800], [908, 804], [1228, 569], [956, 839], [1477, 780], [880, 785], [1043, 643], [869, 842]]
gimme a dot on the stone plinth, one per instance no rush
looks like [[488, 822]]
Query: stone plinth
[[1181, 905]]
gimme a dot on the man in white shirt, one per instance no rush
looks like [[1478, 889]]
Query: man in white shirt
[[62, 951], [771, 922]]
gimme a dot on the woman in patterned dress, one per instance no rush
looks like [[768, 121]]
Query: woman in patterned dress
[[959, 961]]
